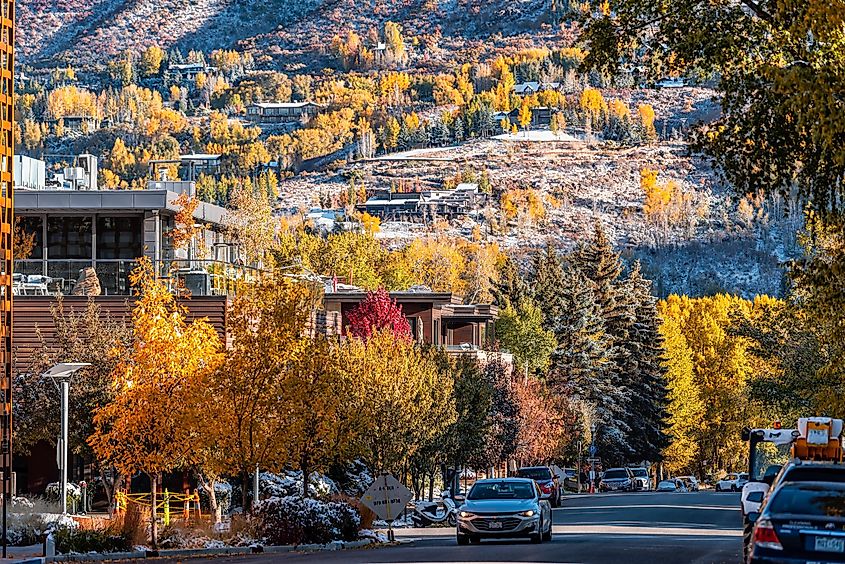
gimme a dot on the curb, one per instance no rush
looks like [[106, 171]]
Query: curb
[[196, 552]]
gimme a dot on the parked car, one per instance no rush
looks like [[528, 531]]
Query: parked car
[[547, 480], [671, 485], [617, 479], [754, 494], [800, 522], [690, 482], [504, 508], [568, 477], [733, 482], [642, 481]]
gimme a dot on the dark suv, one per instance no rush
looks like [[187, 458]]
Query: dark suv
[[547, 480]]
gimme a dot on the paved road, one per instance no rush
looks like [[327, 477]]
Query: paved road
[[647, 528]]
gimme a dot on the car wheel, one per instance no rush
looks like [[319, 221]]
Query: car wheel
[[475, 540], [452, 519], [547, 536], [733, 488], [718, 487], [463, 540], [747, 531], [537, 538]]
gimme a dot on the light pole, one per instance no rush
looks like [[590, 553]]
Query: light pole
[[61, 374]]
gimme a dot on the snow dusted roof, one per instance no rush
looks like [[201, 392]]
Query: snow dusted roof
[[281, 105]]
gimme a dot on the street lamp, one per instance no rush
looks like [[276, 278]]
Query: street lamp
[[61, 374]]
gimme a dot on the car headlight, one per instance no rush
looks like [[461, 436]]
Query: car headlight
[[465, 514], [529, 513]]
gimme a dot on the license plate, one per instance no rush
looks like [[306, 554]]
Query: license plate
[[495, 525], [829, 544]]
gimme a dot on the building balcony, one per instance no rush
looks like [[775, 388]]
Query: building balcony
[[183, 277]]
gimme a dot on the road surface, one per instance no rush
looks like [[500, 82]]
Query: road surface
[[647, 528]]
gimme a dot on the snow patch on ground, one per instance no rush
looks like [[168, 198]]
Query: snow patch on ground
[[537, 135]]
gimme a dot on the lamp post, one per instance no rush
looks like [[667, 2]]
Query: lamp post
[[61, 374]]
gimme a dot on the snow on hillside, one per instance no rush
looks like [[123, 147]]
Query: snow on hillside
[[82, 31]]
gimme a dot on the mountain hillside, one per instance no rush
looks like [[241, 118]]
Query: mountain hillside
[[82, 31]]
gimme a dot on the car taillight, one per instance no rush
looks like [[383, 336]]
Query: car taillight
[[765, 536], [547, 488]]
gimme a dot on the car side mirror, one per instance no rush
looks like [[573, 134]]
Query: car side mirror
[[755, 497], [752, 516]]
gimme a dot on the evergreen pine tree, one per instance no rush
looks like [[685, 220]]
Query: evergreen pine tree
[[510, 288], [648, 392], [548, 285], [582, 366]]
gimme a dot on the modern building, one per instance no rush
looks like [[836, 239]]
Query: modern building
[[285, 112], [529, 88], [187, 71], [108, 230], [425, 205], [436, 318]]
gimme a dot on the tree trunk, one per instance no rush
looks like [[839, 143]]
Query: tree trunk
[[153, 504], [110, 487], [304, 480], [247, 507], [208, 484]]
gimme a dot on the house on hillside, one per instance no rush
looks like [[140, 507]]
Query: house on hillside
[[282, 112], [187, 72], [530, 88], [425, 205], [540, 116]]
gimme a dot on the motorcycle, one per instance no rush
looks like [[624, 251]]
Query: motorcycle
[[430, 513]]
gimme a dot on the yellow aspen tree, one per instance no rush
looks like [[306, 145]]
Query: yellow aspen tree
[[151, 425]]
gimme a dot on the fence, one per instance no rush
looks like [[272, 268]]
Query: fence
[[163, 504]]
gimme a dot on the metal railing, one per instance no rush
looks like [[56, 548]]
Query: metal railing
[[195, 277]]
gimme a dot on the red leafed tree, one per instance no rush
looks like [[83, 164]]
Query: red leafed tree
[[547, 421], [376, 312]]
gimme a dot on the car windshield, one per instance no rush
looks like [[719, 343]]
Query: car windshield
[[809, 499], [640, 472], [501, 490], [811, 474], [615, 474], [535, 473]]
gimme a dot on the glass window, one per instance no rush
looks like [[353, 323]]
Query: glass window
[[30, 238], [502, 490], [69, 238], [535, 473], [809, 499], [120, 237]]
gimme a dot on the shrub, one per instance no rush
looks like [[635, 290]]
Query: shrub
[[74, 494], [293, 520], [76, 540]]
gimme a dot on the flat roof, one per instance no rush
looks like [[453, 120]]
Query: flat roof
[[280, 105], [108, 201]]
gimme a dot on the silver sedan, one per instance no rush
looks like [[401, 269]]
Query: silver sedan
[[504, 508]]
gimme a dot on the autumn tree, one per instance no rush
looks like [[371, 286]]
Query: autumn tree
[[150, 61], [377, 312], [546, 422], [267, 322], [398, 385], [80, 336], [186, 227], [520, 332], [322, 426], [151, 424], [250, 222]]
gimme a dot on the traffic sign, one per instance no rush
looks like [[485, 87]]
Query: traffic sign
[[387, 497], [592, 450], [594, 460]]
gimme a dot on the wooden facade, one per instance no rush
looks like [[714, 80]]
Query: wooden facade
[[33, 314]]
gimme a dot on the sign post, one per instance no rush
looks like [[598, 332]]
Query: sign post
[[387, 498]]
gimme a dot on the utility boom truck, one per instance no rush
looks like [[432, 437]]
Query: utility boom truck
[[817, 439]]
